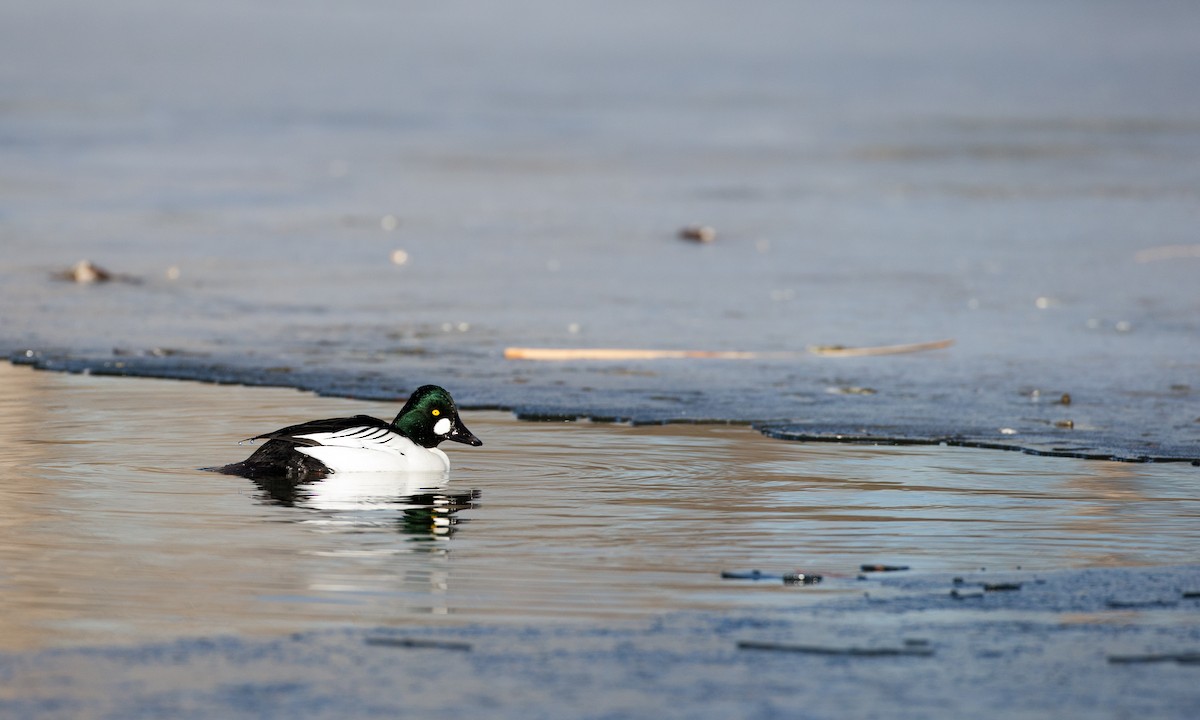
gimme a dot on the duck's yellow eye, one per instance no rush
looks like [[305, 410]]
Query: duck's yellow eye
[[436, 412]]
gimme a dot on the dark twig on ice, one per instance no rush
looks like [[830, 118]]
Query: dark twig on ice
[[415, 643], [916, 650]]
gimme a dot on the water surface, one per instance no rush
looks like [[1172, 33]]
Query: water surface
[[110, 533]]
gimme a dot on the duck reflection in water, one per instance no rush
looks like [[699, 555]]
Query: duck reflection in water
[[357, 500]]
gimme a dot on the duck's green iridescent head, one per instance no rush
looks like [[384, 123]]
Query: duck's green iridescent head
[[430, 416]]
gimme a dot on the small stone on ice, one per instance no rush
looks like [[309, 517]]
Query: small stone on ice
[[85, 271], [698, 233]]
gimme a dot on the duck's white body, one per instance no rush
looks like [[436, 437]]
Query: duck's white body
[[353, 450]]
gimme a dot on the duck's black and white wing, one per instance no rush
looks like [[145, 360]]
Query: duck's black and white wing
[[360, 431]]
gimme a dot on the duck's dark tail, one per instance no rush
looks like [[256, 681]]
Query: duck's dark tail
[[276, 459]]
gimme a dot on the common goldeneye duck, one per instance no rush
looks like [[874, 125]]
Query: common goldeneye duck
[[362, 443]]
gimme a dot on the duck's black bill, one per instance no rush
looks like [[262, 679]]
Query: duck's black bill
[[461, 434]]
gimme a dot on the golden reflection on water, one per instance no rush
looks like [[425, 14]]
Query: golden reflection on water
[[110, 533]]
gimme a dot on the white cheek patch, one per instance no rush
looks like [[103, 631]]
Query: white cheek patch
[[441, 427]]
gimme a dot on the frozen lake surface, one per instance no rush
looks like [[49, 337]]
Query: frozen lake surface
[[1019, 178]]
